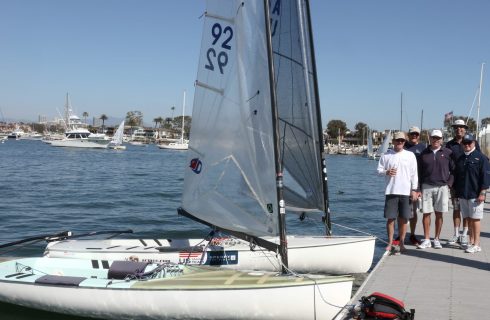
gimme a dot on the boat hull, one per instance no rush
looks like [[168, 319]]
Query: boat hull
[[174, 146], [205, 294], [79, 144], [305, 254]]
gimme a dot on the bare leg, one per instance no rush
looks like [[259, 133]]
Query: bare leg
[[390, 229], [413, 223], [457, 218], [402, 231], [476, 231], [426, 223], [438, 224]]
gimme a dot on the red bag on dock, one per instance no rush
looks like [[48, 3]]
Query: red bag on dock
[[382, 306]]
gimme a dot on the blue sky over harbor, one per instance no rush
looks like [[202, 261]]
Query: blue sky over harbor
[[114, 56]]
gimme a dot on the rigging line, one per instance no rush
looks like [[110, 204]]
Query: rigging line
[[290, 59], [363, 232], [295, 127], [472, 105]]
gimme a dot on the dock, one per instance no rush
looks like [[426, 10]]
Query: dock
[[442, 283]]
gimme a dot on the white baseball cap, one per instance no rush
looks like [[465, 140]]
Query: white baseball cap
[[436, 133]]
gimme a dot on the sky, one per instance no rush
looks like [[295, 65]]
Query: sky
[[115, 56]]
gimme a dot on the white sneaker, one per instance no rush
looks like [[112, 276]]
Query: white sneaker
[[437, 244], [453, 240], [425, 244], [473, 249]]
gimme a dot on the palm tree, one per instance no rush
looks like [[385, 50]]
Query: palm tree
[[157, 121], [173, 108], [85, 115], [103, 117]]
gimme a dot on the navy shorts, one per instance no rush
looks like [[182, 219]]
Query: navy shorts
[[397, 206]]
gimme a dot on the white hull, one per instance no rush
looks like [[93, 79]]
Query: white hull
[[174, 146], [206, 295], [332, 255], [78, 144]]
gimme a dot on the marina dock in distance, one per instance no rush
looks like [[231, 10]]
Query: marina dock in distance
[[442, 283]]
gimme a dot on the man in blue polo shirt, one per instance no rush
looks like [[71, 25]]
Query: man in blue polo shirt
[[472, 179], [456, 146]]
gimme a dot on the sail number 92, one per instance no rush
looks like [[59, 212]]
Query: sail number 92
[[219, 56]]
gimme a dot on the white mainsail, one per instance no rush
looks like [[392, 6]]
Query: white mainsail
[[117, 139], [230, 182], [370, 150], [384, 145]]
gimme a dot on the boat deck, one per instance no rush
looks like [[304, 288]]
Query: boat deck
[[442, 283]]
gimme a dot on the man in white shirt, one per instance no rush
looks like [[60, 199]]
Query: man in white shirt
[[400, 168]]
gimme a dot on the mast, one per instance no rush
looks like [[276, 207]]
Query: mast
[[182, 131], [479, 98], [401, 110], [283, 249], [323, 162], [421, 122]]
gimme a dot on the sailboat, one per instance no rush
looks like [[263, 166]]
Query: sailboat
[[117, 140], [242, 188], [370, 151], [384, 146], [182, 144], [230, 181]]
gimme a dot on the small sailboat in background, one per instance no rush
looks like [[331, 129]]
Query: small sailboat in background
[[384, 146], [181, 144], [370, 150], [117, 140]]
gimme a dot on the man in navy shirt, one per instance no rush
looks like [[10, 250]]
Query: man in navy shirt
[[456, 146], [472, 179], [413, 144], [435, 177]]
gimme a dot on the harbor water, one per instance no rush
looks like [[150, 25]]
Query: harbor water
[[45, 190]]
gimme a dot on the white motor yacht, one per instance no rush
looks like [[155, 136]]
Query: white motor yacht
[[77, 134]]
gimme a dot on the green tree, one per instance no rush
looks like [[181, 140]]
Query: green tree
[[334, 127], [134, 118], [158, 121], [85, 116], [103, 117], [177, 123], [361, 130]]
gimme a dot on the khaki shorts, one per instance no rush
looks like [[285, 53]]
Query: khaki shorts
[[435, 198], [471, 209]]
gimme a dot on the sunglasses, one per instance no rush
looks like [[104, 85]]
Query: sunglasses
[[459, 127], [414, 134], [466, 143], [400, 140], [436, 138]]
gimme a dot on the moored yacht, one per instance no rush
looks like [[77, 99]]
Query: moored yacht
[[16, 134], [77, 134]]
